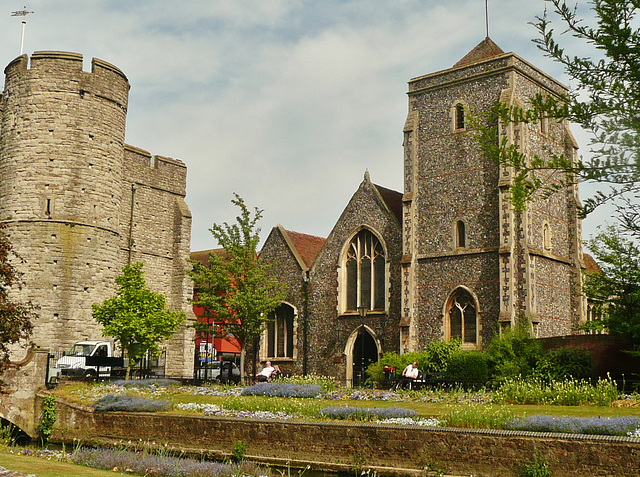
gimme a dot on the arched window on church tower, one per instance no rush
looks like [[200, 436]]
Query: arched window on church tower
[[460, 234], [365, 273], [462, 318]]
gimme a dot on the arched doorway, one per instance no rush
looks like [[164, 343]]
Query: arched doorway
[[363, 352]]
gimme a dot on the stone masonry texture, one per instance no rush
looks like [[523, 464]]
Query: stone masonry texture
[[78, 203], [517, 266]]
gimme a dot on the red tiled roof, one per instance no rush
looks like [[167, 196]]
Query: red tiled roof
[[590, 265], [483, 50], [202, 256], [393, 199], [307, 246]]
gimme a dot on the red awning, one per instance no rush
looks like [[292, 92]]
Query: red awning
[[224, 346]]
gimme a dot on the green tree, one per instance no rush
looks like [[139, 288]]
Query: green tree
[[605, 101], [136, 317], [15, 317], [235, 288], [616, 289]]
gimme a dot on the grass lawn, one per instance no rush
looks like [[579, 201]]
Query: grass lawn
[[82, 392], [48, 468]]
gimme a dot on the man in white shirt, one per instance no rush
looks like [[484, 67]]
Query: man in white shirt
[[409, 374], [265, 374]]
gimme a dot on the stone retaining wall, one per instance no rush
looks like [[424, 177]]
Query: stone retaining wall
[[347, 446]]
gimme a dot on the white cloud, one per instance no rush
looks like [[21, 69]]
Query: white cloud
[[285, 102]]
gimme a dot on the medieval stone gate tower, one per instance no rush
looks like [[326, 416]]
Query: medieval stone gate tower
[[471, 263], [78, 203]]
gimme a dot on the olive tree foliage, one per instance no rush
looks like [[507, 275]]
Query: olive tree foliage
[[15, 317], [605, 102], [235, 289], [615, 291], [136, 317]]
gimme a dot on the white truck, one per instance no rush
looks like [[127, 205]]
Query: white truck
[[87, 359]]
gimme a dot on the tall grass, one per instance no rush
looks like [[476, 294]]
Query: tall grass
[[478, 416], [570, 392]]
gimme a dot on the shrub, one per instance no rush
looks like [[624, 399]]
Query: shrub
[[538, 467], [564, 363], [239, 449], [120, 402], [513, 353], [49, 417], [278, 389], [604, 426], [361, 414], [469, 369]]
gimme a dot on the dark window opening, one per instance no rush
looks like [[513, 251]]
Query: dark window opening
[[461, 235], [459, 116]]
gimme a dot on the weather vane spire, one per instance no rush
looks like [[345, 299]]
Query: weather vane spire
[[22, 13]]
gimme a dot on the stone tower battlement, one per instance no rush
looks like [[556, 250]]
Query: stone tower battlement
[[62, 71], [78, 203]]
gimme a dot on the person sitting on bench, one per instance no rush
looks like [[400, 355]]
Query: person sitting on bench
[[265, 374], [409, 375]]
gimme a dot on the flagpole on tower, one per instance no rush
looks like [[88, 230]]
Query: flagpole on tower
[[22, 13], [486, 15]]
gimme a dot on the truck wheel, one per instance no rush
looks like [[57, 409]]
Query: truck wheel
[[89, 374]]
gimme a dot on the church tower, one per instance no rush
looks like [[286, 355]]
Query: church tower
[[472, 264]]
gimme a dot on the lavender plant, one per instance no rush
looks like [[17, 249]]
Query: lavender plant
[[279, 389], [119, 402], [606, 426], [362, 414], [159, 465]]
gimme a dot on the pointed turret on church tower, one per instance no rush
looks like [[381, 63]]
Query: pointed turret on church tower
[[472, 264]]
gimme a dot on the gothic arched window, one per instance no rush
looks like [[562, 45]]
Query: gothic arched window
[[365, 276], [462, 318]]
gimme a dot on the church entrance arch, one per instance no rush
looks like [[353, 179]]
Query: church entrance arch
[[363, 348]]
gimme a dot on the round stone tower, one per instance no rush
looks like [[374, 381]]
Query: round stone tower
[[61, 161]]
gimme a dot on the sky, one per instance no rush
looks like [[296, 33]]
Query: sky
[[284, 102]]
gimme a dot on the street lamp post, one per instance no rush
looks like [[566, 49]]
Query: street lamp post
[[362, 311]]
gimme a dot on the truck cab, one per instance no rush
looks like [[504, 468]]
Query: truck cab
[[74, 362]]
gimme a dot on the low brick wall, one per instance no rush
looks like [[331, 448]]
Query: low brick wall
[[345, 446]]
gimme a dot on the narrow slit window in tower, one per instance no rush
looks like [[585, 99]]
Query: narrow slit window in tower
[[459, 116], [461, 234]]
